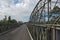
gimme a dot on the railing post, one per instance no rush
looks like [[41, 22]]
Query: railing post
[[37, 32], [54, 34]]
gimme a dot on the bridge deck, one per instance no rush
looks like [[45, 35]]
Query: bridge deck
[[18, 34]]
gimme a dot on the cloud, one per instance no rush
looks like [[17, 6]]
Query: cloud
[[17, 9]]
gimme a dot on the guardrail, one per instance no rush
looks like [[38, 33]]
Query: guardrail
[[5, 28], [42, 32]]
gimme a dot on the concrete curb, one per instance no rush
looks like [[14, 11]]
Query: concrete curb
[[29, 34], [4, 32]]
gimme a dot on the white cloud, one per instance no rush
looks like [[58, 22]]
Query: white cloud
[[17, 10]]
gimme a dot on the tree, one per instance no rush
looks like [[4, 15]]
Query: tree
[[20, 22], [5, 18], [56, 9], [55, 13], [13, 21], [9, 18]]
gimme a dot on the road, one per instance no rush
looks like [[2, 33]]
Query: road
[[19, 33]]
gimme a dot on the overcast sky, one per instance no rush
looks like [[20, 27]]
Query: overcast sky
[[17, 9]]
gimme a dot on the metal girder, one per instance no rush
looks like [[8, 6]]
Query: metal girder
[[43, 7]]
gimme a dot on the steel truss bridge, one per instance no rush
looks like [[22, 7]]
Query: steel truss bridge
[[44, 23]]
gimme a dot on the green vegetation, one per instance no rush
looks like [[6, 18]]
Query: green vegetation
[[55, 13], [56, 9], [8, 24]]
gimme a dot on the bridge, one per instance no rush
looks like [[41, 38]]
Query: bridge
[[44, 23]]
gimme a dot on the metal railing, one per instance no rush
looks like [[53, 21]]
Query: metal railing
[[41, 27]]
